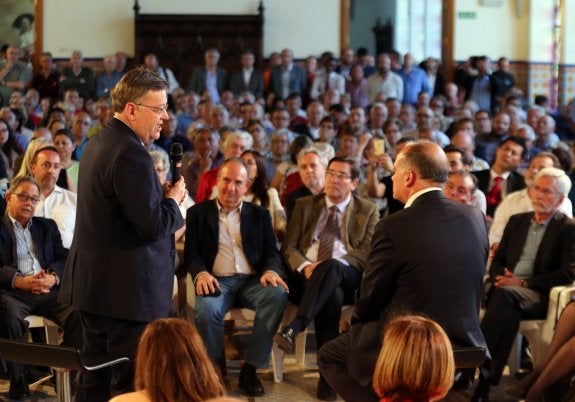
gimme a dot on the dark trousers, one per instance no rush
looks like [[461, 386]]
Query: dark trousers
[[15, 305], [332, 362], [331, 286], [116, 339], [506, 307]]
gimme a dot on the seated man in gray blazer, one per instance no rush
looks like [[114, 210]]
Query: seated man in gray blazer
[[230, 251], [326, 246], [537, 252]]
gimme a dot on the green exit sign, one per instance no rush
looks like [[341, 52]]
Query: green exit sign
[[467, 15]]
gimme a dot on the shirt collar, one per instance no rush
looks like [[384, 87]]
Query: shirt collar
[[222, 211], [503, 175], [15, 223], [415, 196], [341, 206]]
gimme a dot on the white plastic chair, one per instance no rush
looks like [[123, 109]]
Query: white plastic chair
[[540, 332]]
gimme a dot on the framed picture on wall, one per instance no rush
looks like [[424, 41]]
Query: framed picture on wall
[[17, 26]]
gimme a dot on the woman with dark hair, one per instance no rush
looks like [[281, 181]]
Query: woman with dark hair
[[9, 150], [172, 365], [64, 143], [260, 193]]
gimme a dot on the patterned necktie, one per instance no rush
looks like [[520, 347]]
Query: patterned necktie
[[493, 198], [328, 236]]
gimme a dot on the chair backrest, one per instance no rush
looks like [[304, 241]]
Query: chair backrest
[[468, 357], [40, 354], [61, 357]]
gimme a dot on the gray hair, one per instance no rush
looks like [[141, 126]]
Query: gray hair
[[530, 133], [563, 182], [238, 134], [161, 156], [306, 151]]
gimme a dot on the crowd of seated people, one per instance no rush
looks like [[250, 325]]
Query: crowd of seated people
[[286, 122]]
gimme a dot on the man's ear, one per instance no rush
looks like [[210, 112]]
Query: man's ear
[[410, 178]]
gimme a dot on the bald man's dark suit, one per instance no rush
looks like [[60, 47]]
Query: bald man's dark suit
[[426, 259]]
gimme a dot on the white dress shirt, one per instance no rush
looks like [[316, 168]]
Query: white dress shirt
[[60, 206]]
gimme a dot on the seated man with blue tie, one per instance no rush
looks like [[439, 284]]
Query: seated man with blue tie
[[326, 246], [230, 251]]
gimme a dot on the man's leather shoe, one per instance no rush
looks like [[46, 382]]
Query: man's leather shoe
[[19, 389], [249, 381], [285, 339], [481, 393], [324, 391]]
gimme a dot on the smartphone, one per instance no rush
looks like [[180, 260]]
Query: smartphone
[[378, 147], [215, 293]]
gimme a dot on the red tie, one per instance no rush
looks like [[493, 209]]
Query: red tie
[[494, 196]]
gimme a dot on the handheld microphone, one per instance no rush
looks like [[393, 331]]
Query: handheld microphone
[[176, 153]]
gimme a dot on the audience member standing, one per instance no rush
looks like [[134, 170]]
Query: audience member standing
[[385, 81], [77, 76], [247, 79], [288, 77], [210, 77], [414, 80]]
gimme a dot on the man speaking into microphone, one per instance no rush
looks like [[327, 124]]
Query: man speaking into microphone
[[119, 274]]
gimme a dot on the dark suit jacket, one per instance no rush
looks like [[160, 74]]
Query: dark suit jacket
[[198, 80], [297, 81], [361, 217], [292, 197], [202, 238], [515, 181], [555, 259], [121, 262], [426, 259], [255, 85], [47, 243]]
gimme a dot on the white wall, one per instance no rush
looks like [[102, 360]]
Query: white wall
[[497, 31], [100, 27], [568, 27]]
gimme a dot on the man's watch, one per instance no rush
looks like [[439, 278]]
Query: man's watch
[[524, 283]]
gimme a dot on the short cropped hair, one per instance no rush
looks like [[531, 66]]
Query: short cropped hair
[[17, 181], [418, 157], [415, 362], [48, 147], [314, 151], [516, 140], [134, 85], [354, 170], [563, 181], [161, 156], [238, 134]]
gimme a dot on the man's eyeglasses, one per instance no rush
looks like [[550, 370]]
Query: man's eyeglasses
[[156, 109], [339, 175], [25, 198]]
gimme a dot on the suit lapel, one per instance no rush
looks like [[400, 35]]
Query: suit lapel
[[549, 238], [349, 223], [37, 240], [213, 220]]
